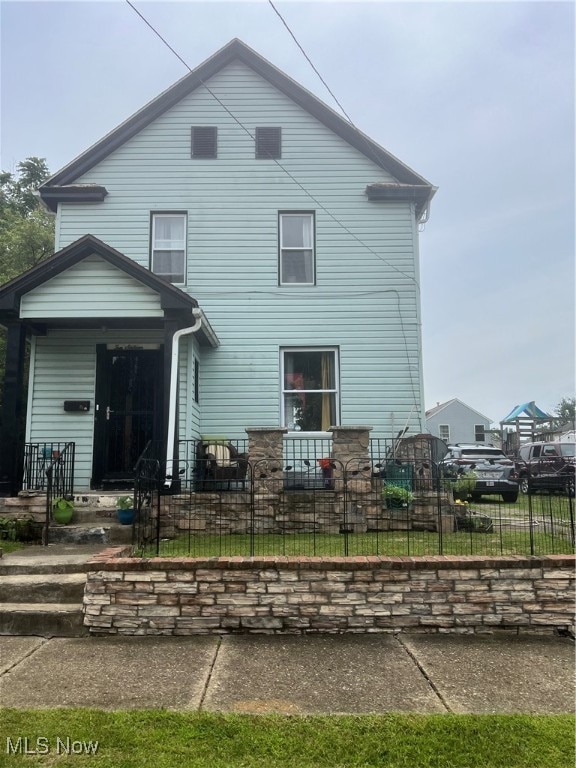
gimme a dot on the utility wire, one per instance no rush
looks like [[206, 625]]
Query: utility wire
[[293, 36], [282, 167], [337, 221]]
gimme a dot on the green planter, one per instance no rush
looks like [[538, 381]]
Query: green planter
[[62, 511]]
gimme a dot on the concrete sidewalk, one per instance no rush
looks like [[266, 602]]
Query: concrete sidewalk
[[293, 674]]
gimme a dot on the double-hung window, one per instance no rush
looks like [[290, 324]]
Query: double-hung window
[[168, 258], [296, 248], [444, 432], [309, 388], [479, 433]]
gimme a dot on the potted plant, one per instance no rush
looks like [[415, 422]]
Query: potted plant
[[397, 497], [125, 510], [62, 510], [463, 486]]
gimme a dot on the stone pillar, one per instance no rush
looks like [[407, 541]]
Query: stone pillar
[[266, 454], [351, 454], [351, 445]]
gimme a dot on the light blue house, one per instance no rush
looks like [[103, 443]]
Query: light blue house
[[235, 254], [456, 422]]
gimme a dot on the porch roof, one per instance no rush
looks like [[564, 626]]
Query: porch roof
[[162, 297]]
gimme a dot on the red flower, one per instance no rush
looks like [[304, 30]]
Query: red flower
[[324, 463]]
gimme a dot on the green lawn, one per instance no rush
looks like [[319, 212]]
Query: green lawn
[[389, 543], [10, 546], [162, 739]]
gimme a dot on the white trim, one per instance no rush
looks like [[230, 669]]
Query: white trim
[[30, 398], [336, 390], [167, 214], [303, 249]]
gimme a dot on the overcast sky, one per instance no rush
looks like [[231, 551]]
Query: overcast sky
[[476, 97]]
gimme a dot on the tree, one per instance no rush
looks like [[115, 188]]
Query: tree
[[565, 412], [26, 229]]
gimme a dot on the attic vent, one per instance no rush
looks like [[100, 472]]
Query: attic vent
[[268, 143], [204, 141]]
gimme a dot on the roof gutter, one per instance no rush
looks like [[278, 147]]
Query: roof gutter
[[172, 411]]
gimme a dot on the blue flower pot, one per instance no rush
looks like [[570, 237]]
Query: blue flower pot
[[125, 516]]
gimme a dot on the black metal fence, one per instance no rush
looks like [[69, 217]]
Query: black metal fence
[[310, 504]]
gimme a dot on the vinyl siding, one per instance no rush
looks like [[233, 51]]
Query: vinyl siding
[[65, 369], [365, 301], [461, 420], [91, 288]]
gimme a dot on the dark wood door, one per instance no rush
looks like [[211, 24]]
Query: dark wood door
[[128, 411]]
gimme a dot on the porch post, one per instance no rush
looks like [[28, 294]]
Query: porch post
[[12, 427]]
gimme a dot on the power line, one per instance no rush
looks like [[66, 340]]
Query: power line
[[293, 36], [282, 167]]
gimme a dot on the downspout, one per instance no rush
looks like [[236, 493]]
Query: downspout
[[172, 411]]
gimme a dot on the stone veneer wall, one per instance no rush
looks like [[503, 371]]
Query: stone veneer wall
[[185, 596]]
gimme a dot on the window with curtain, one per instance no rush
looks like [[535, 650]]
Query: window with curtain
[[296, 249], [169, 246], [309, 389]]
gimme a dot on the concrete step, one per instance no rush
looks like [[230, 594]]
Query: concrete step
[[88, 532], [43, 588], [42, 619]]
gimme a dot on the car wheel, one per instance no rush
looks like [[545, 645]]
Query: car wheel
[[476, 496], [510, 498], [524, 485]]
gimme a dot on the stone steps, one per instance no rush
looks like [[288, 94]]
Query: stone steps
[[42, 619], [42, 588], [45, 604]]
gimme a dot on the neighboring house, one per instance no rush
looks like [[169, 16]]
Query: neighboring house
[[238, 205], [455, 422]]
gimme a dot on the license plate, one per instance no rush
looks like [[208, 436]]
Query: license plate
[[489, 482]]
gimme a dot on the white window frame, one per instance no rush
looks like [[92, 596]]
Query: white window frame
[[440, 428], [156, 215], [335, 391], [281, 216], [477, 439]]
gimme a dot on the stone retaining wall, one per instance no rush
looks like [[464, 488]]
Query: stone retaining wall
[[184, 596]]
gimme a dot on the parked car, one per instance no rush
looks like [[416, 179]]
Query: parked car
[[547, 467], [495, 472]]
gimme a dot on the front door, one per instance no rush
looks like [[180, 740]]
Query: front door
[[128, 411]]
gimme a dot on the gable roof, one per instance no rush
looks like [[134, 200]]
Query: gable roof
[[235, 50], [441, 406], [171, 297]]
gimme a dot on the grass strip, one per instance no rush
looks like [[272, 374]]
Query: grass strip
[[389, 543], [163, 739]]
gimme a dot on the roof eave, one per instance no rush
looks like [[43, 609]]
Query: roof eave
[[236, 49]]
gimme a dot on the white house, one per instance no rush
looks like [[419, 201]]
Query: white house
[[456, 422]]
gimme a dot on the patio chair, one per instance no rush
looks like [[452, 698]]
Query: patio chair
[[219, 463]]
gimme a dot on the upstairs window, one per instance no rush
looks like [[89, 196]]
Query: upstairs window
[[479, 433], [296, 249], [268, 143], [309, 389], [204, 141], [169, 247]]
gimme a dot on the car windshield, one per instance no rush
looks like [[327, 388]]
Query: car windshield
[[568, 449], [483, 452]]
